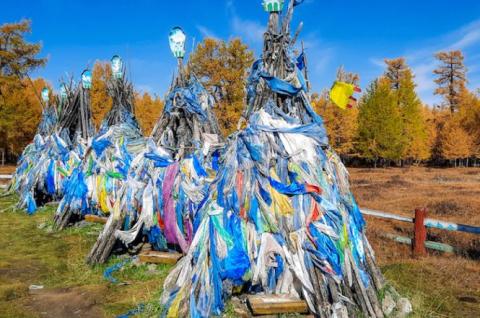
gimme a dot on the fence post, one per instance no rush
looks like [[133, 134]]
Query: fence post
[[420, 235]]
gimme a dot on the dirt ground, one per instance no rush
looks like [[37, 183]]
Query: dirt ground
[[449, 194], [439, 285], [66, 302], [7, 169], [43, 272]]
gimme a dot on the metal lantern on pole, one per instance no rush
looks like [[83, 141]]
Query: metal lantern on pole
[[117, 66], [63, 91], [177, 42], [273, 5], [87, 79], [45, 95]]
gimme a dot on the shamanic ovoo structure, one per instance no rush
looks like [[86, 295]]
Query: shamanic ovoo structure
[[26, 180], [280, 217], [61, 137], [168, 180], [105, 162]]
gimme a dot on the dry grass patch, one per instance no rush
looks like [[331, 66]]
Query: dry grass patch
[[438, 285]]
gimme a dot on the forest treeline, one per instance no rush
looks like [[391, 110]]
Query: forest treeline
[[389, 124]]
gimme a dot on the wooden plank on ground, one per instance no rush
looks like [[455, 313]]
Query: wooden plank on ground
[[155, 257], [276, 304], [95, 219]]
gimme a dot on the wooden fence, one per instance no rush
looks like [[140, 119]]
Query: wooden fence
[[419, 242], [4, 177]]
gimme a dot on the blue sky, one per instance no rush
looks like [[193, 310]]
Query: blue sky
[[356, 34]]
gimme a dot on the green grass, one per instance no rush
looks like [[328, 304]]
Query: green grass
[[432, 291], [32, 253]]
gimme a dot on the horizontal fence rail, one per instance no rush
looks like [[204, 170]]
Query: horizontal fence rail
[[428, 244], [421, 223], [432, 223], [4, 177], [386, 215], [443, 225]]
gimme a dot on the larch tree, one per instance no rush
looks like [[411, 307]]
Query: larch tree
[[429, 116], [101, 101], [348, 77], [469, 117], [379, 123], [439, 117], [20, 105], [451, 77], [415, 134], [341, 124], [17, 56], [21, 114], [396, 69], [222, 67], [147, 110], [455, 142]]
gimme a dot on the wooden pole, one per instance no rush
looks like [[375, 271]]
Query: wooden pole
[[181, 79], [305, 72], [420, 235]]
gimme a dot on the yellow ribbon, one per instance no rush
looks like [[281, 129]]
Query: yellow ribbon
[[340, 94]]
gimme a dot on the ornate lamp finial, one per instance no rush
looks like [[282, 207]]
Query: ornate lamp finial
[[45, 95], [273, 5], [87, 79], [63, 91], [177, 42], [117, 66]]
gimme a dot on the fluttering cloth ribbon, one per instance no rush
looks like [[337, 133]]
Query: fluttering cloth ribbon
[[341, 94]]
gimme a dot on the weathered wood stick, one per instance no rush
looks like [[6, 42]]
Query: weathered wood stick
[[104, 244], [154, 257], [359, 286], [95, 219]]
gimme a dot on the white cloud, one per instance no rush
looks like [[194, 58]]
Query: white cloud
[[423, 76], [251, 31], [377, 62], [422, 61], [319, 54], [206, 32], [425, 85], [320, 58], [474, 68], [469, 35]]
